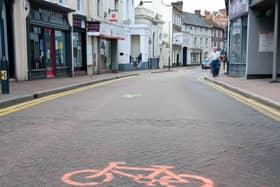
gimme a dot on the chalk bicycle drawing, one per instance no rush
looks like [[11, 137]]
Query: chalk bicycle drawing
[[157, 175]]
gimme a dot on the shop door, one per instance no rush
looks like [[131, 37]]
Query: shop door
[[49, 47], [184, 56]]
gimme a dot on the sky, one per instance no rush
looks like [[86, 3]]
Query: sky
[[191, 5]]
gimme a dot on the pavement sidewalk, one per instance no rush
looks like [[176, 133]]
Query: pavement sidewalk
[[21, 91], [258, 89]]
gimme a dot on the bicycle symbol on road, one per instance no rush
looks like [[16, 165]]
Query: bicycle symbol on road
[[157, 175]]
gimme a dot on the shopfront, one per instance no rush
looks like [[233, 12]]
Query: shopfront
[[238, 15], [196, 56], [79, 44], [107, 44], [238, 47], [49, 41]]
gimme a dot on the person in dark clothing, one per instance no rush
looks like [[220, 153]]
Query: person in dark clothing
[[215, 62]]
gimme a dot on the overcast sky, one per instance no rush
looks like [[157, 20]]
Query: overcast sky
[[191, 5]]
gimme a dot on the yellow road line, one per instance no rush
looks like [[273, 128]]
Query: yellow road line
[[268, 111], [28, 104]]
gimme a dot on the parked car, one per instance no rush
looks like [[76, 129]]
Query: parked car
[[205, 64]]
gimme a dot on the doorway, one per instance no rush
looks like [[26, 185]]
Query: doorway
[[49, 51], [185, 56]]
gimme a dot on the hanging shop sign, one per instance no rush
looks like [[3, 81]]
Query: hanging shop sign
[[79, 23], [113, 16]]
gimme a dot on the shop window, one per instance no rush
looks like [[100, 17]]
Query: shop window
[[235, 43], [0, 45], [37, 48], [195, 58], [60, 53], [105, 55], [77, 50]]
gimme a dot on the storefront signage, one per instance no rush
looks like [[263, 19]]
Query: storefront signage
[[178, 38], [106, 30], [48, 16], [237, 8], [113, 16], [93, 27], [266, 42], [79, 23]]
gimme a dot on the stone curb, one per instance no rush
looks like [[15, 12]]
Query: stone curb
[[247, 94], [29, 97]]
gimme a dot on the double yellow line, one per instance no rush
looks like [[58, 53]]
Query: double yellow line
[[28, 104], [264, 109]]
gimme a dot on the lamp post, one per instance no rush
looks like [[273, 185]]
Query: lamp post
[[4, 64], [170, 38]]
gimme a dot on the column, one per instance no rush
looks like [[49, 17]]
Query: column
[[144, 48]]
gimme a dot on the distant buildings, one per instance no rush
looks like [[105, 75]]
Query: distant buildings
[[197, 39]]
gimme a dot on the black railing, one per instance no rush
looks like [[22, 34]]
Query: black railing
[[153, 63]]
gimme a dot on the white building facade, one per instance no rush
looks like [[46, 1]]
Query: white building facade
[[196, 39]]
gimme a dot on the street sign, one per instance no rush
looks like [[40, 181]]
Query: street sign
[[3, 75]]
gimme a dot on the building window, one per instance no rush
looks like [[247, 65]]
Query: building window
[[116, 4], [206, 42], [79, 5], [194, 41], [200, 41], [60, 53], [61, 1], [195, 58], [98, 8]]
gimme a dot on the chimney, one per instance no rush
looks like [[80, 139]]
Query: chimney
[[178, 5], [198, 12], [207, 15]]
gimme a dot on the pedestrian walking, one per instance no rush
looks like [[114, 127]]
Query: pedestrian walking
[[215, 62]]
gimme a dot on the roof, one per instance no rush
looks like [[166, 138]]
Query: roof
[[192, 19], [215, 25]]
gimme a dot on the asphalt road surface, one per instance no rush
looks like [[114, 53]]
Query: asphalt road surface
[[149, 122]]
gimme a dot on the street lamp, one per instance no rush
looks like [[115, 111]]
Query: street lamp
[[4, 64]]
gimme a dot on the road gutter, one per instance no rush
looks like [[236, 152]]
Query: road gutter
[[44, 93], [261, 104]]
